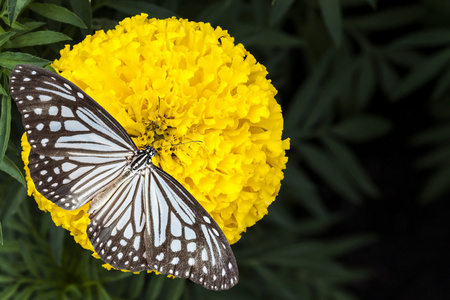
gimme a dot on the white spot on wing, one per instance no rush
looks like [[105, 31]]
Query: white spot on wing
[[191, 247], [136, 242], [53, 111], [66, 112], [66, 167], [175, 246], [72, 125], [189, 233], [204, 255], [175, 225], [128, 231], [55, 126], [44, 98]]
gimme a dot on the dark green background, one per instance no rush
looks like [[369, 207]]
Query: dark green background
[[363, 210]]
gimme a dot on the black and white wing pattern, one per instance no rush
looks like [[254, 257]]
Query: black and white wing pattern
[[174, 236], [141, 217], [76, 145]]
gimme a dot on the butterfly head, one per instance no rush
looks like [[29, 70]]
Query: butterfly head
[[150, 151]]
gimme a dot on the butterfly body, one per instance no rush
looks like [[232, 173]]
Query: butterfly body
[[141, 217]]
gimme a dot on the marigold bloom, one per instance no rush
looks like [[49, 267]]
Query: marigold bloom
[[210, 90]]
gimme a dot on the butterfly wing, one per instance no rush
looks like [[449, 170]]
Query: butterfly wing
[[76, 146], [140, 220], [164, 229]]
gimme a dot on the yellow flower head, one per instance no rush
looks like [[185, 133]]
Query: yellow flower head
[[210, 90]]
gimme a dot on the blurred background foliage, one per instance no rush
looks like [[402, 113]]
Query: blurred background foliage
[[362, 213]]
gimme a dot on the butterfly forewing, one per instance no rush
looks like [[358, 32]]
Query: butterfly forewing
[[141, 217], [75, 143], [61, 120]]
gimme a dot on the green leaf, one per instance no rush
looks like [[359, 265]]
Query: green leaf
[[5, 124], [423, 73], [15, 195], [345, 246], [327, 169], [57, 236], [155, 287], [297, 184], [442, 87], [10, 59], [14, 9], [372, 3], [316, 226], [436, 186], [1, 234], [388, 77], [32, 25], [137, 285], [7, 279], [176, 288], [57, 13], [214, 11], [366, 82], [437, 134], [330, 92], [275, 283], [4, 37], [362, 128], [349, 162], [305, 95], [331, 12], [2, 91], [388, 19], [436, 157], [425, 38], [44, 37], [83, 9], [7, 166], [271, 38], [139, 7], [279, 10], [25, 293], [8, 292]]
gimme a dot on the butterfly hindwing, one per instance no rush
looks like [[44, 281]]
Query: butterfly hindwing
[[117, 227], [186, 241], [165, 229], [71, 182]]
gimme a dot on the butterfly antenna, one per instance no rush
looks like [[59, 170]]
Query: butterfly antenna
[[157, 116], [185, 143]]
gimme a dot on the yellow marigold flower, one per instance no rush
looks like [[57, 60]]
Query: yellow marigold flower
[[210, 90]]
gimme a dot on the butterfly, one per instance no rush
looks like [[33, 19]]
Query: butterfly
[[141, 218]]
